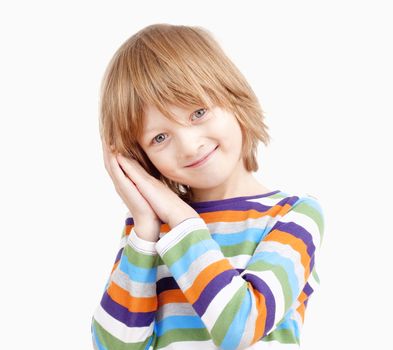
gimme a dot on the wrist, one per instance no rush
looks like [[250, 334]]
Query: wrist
[[177, 217], [148, 231]]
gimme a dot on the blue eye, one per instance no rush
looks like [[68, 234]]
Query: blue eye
[[155, 138], [202, 109]]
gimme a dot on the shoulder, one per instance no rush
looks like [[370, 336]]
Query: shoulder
[[306, 212], [301, 202]]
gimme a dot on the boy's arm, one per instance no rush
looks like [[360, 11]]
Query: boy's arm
[[125, 316], [239, 309]]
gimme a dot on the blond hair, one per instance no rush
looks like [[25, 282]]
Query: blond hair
[[164, 64]]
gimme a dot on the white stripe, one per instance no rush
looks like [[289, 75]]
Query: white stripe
[[175, 309], [177, 233], [239, 261], [267, 201], [219, 302], [136, 289], [298, 319], [313, 282], [162, 272], [141, 245], [120, 330], [238, 226], [249, 329], [273, 345], [181, 345]]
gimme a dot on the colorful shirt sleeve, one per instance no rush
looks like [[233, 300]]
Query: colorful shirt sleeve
[[124, 319], [238, 309]]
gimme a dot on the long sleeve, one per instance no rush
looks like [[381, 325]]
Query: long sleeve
[[240, 308], [124, 319]]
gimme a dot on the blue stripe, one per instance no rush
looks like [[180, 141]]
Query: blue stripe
[[251, 234], [136, 273], [290, 324], [177, 322], [236, 329], [194, 252], [277, 259], [312, 203]]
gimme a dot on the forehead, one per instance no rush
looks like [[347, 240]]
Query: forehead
[[152, 112], [153, 118]]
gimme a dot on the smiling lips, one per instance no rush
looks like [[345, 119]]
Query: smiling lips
[[201, 161]]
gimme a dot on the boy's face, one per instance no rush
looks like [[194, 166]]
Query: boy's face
[[173, 147]]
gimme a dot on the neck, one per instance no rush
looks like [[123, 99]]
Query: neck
[[248, 186]]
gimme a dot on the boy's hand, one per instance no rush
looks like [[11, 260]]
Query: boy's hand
[[166, 204], [146, 223]]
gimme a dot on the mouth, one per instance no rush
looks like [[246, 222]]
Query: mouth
[[203, 160]]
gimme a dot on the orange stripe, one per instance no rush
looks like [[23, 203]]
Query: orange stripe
[[127, 230], [302, 297], [260, 322], [237, 215], [133, 304], [206, 275], [295, 243], [228, 216], [301, 309], [171, 296], [115, 265]]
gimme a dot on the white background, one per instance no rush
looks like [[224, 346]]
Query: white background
[[323, 73]]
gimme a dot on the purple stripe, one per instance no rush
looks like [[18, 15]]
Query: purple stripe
[[166, 283], [211, 290], [264, 289], [240, 205], [312, 263], [130, 221], [227, 203], [308, 289], [120, 313], [289, 200], [299, 232], [118, 255]]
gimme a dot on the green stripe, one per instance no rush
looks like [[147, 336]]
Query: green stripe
[[279, 195], [226, 317], [305, 208], [138, 258], [112, 343], [315, 275], [245, 247], [187, 334], [284, 336], [281, 275], [180, 248]]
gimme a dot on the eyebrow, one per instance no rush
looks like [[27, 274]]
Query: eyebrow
[[191, 109], [152, 129]]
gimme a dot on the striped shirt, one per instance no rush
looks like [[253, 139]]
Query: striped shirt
[[239, 276]]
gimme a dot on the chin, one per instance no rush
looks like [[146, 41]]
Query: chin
[[206, 184]]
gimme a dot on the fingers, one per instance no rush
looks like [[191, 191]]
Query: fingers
[[119, 178], [133, 169]]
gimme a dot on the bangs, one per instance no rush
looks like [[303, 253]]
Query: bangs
[[172, 67]]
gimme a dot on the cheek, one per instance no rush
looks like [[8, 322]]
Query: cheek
[[162, 163], [230, 136]]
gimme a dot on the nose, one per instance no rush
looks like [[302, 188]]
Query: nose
[[190, 145]]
